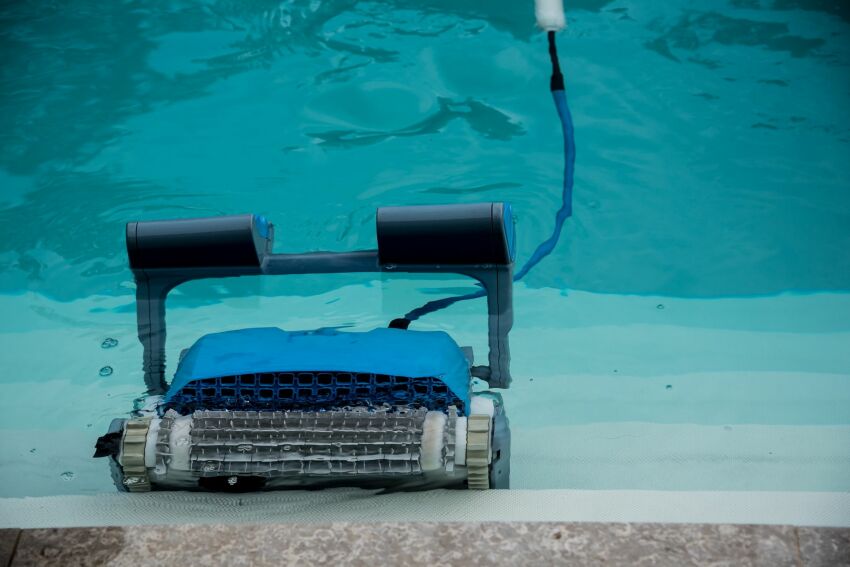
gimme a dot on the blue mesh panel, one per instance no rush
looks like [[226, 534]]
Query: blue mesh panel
[[310, 390]]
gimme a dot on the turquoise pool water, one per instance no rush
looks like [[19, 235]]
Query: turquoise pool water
[[690, 332]]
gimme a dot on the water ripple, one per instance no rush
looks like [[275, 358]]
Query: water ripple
[[486, 121]]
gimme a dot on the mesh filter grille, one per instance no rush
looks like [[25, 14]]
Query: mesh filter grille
[[311, 390], [281, 444]]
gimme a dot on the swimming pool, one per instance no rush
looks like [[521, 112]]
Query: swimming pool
[[689, 333]]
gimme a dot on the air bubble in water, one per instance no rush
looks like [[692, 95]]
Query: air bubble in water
[[660, 306], [109, 343], [67, 475], [106, 371]]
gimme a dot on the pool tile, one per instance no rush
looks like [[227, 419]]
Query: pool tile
[[8, 542], [69, 546], [824, 547]]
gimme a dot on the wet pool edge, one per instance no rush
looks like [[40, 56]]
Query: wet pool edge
[[827, 509]]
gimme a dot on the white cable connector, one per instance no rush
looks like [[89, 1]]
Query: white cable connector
[[550, 14]]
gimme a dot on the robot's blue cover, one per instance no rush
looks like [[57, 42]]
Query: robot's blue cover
[[414, 354]]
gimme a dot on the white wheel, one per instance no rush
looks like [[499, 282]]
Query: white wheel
[[135, 475], [478, 431]]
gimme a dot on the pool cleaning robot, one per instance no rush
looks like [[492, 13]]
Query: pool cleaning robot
[[268, 408], [392, 408]]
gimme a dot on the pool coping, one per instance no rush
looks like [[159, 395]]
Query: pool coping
[[428, 543]]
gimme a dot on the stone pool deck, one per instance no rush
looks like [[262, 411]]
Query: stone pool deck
[[429, 543]]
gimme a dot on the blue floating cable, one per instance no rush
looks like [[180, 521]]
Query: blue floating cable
[[546, 247]]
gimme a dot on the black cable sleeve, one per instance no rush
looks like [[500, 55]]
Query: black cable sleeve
[[556, 83]]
